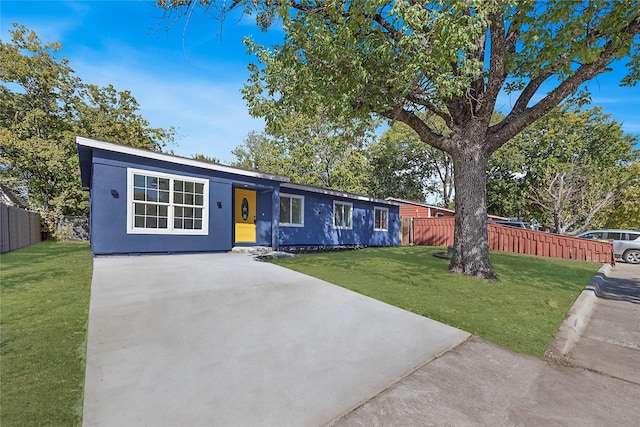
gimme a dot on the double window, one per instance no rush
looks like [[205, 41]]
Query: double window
[[381, 219], [291, 210], [342, 215], [160, 203]]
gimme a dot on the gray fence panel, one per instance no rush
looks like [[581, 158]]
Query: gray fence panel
[[18, 228], [4, 228], [34, 227]]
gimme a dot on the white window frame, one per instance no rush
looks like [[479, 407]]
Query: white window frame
[[342, 227], [131, 229], [386, 211], [291, 197]]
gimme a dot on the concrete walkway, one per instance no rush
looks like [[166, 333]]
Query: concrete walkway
[[591, 376], [221, 339], [610, 341]]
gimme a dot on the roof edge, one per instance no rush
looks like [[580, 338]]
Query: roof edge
[[410, 202], [337, 193], [125, 149]]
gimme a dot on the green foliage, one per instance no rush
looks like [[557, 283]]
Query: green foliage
[[43, 106], [205, 158], [520, 311], [311, 151], [44, 307], [624, 211], [563, 169], [403, 166], [360, 59], [260, 153]]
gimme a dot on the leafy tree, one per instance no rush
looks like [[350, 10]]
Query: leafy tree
[[624, 211], [453, 58], [311, 151], [563, 169], [261, 153], [396, 168], [111, 115], [205, 158], [43, 106], [403, 166]]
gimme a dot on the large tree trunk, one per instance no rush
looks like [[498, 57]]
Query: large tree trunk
[[471, 239]]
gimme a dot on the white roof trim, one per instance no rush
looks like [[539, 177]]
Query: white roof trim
[[409, 202], [108, 146], [336, 193]]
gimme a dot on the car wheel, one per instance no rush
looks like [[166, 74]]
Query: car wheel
[[632, 256]]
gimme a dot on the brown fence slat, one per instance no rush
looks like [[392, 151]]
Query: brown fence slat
[[440, 231]]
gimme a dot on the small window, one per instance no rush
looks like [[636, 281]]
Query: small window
[[381, 219], [291, 210], [634, 236], [160, 203], [596, 235], [615, 235], [342, 215]]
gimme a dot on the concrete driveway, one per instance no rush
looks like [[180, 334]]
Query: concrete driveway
[[221, 339]]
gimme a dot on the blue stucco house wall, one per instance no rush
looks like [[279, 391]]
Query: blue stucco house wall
[[149, 202]]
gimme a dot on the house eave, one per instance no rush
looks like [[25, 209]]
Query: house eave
[[337, 193], [124, 149], [410, 202]]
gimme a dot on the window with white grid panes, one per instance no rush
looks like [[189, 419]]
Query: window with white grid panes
[[166, 204]]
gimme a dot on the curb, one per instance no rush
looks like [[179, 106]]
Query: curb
[[577, 318]]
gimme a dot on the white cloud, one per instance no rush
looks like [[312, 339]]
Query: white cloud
[[211, 117]]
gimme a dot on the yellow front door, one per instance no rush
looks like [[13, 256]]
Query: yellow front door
[[245, 215]]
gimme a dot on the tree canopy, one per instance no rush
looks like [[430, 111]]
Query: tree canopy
[[563, 170], [404, 166], [453, 58], [43, 106], [310, 150]]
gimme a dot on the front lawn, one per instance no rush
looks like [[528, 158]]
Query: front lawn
[[521, 311], [44, 306]]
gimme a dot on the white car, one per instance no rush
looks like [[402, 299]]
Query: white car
[[626, 243]]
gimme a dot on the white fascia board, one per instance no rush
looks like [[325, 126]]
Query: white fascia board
[[337, 194], [125, 149], [409, 202]]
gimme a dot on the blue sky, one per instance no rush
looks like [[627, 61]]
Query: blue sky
[[190, 76]]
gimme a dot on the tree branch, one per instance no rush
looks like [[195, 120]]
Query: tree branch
[[431, 107], [425, 133], [497, 74], [520, 117]]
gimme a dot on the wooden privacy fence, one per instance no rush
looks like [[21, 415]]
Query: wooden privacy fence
[[439, 232], [18, 228]]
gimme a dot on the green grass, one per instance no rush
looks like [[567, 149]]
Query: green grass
[[44, 305], [522, 310]]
